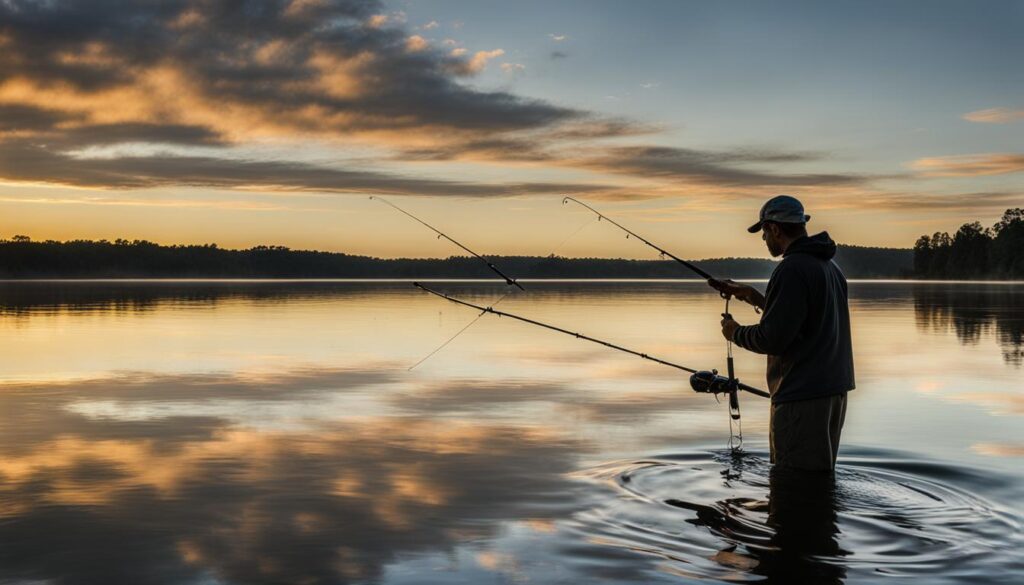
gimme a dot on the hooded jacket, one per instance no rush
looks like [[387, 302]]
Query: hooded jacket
[[805, 327]]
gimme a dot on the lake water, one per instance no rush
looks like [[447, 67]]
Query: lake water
[[270, 432]]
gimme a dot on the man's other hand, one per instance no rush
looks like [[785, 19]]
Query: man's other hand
[[743, 292], [729, 327]]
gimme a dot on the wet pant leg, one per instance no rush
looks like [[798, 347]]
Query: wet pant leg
[[804, 434]]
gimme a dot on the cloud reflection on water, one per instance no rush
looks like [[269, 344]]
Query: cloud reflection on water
[[277, 436], [179, 499]]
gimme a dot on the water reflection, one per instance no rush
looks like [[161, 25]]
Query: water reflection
[[799, 533], [723, 516], [269, 432], [971, 310], [146, 497]]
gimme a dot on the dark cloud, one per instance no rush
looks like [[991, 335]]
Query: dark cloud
[[506, 149], [555, 55], [21, 161], [263, 54], [63, 130], [25, 118], [99, 134], [205, 70], [713, 167], [541, 146]]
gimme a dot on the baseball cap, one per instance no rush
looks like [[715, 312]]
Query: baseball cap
[[780, 209]]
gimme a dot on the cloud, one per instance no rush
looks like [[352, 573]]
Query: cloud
[[416, 43], [32, 163], [995, 116], [221, 74], [556, 55], [970, 201], [22, 118], [136, 202], [970, 165], [557, 38], [726, 168], [377, 20], [431, 25], [218, 74], [480, 59], [328, 68]]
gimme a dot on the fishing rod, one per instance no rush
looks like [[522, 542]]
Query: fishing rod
[[630, 232], [734, 405], [714, 282], [701, 380], [508, 280]]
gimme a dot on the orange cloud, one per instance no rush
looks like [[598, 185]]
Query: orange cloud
[[999, 449], [416, 43], [480, 59], [970, 165], [995, 116]]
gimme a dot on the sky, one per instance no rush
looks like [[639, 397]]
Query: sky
[[273, 122]]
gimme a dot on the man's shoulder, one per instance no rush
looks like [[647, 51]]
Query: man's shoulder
[[800, 267], [795, 263]]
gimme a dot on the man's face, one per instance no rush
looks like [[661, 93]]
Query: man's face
[[771, 235]]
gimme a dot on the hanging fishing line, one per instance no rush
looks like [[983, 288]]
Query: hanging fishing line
[[503, 297], [714, 282], [452, 338], [703, 381], [700, 380], [508, 280]]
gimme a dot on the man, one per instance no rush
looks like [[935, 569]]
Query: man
[[805, 331]]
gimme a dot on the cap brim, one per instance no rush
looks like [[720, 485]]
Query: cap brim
[[755, 228]]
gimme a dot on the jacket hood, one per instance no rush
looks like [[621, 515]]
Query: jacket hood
[[818, 245]]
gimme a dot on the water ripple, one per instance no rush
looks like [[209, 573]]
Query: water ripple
[[721, 516]]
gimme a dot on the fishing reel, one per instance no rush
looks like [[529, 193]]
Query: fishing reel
[[711, 383]]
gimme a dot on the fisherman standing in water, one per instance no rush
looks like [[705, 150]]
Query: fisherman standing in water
[[805, 331]]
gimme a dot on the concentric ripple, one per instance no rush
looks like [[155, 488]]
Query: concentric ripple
[[731, 517]]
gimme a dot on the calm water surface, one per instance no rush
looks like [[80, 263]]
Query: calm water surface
[[260, 432]]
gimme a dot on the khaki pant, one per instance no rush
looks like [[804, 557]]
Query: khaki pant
[[804, 434]]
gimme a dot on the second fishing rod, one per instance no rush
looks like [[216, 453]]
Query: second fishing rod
[[719, 285], [700, 381]]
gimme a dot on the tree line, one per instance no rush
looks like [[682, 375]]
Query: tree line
[[974, 251], [21, 257]]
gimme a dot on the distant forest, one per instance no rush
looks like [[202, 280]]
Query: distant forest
[[974, 252], [20, 257]]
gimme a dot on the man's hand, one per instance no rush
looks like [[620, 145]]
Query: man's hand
[[728, 326], [745, 293]]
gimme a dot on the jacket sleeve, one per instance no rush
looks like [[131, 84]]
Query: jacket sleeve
[[784, 314]]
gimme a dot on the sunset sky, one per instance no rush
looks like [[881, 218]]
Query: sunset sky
[[271, 122]]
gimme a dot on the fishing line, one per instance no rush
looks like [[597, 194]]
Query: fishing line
[[452, 338], [708, 382], [503, 297], [508, 280], [661, 251]]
